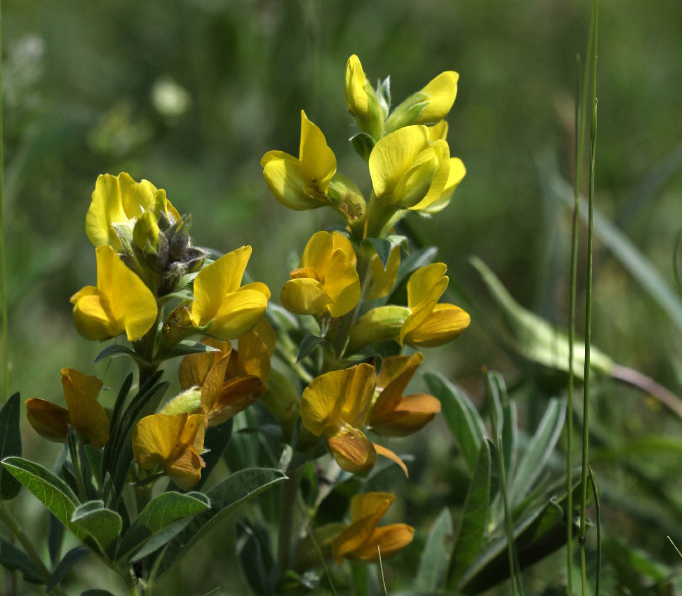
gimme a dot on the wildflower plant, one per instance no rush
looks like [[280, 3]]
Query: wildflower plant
[[314, 385]]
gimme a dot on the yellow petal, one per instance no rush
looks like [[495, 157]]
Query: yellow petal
[[90, 316], [379, 324], [116, 200], [386, 452], [354, 89], [155, 438], [194, 367], [393, 155], [443, 324], [238, 313], [418, 179], [318, 252], [386, 541], [342, 284], [338, 397], [339, 241], [441, 93], [185, 470], [86, 414], [410, 414], [213, 382], [396, 373], [439, 131], [383, 280], [455, 176], [235, 396], [304, 296], [439, 180], [352, 450], [426, 284], [317, 158], [47, 419], [216, 281], [288, 181], [255, 350], [131, 304]]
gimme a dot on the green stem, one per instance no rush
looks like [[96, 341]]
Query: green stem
[[77, 466], [588, 307], [3, 252], [286, 520], [16, 530]]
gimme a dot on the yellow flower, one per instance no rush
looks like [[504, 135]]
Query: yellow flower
[[118, 202], [326, 281], [362, 540], [362, 100], [336, 405], [225, 382], [408, 170], [174, 442], [121, 302], [303, 182], [394, 414], [84, 412], [455, 176], [383, 279], [430, 324], [428, 106], [222, 307]]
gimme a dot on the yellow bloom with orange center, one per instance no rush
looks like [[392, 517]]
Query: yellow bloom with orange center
[[303, 182], [336, 405], [363, 540], [120, 303], [83, 411], [222, 307], [119, 203], [174, 442], [327, 281], [394, 414], [222, 383]]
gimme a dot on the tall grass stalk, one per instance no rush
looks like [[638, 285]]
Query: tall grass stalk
[[3, 259], [588, 295]]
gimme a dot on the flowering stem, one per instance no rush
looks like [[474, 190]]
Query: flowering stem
[[286, 520]]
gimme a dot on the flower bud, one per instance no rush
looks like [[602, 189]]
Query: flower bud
[[362, 100], [379, 324]]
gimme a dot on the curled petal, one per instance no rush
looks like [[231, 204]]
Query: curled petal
[[441, 93], [155, 438], [407, 416], [305, 296], [443, 324], [386, 540], [238, 313], [352, 450], [90, 316], [47, 419]]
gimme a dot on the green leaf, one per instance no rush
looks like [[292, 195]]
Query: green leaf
[[15, 559], [534, 338], [433, 564], [96, 593], [539, 450], [101, 524], [472, 527], [70, 559], [10, 444], [363, 144], [308, 344], [504, 418], [51, 490], [185, 347], [115, 350], [235, 490], [384, 246], [461, 416], [215, 442], [162, 519]]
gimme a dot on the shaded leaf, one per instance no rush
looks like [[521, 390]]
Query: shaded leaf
[[115, 350], [159, 521], [539, 450], [235, 490], [472, 527], [363, 144], [384, 246], [307, 344], [461, 416], [435, 558], [15, 559], [68, 561], [185, 347], [10, 444]]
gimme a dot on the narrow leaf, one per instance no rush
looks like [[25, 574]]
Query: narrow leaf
[[308, 344], [115, 350], [235, 490], [10, 444], [215, 442], [70, 559], [461, 416], [472, 528], [186, 347], [384, 246], [435, 558], [539, 449], [15, 559], [160, 513]]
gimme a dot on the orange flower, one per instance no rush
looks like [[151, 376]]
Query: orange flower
[[395, 414], [84, 412], [362, 540]]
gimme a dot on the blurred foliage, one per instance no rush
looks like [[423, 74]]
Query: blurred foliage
[[190, 94]]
